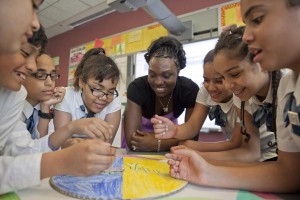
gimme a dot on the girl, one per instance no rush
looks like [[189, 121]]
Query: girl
[[94, 94], [162, 92], [272, 54], [212, 92]]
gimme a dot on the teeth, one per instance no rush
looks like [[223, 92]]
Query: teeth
[[21, 75]]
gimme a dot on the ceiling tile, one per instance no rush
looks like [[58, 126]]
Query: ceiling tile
[[46, 22], [71, 6], [55, 14], [93, 2]]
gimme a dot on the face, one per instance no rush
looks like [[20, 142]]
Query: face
[[243, 78], [92, 103], [162, 76], [213, 83], [272, 32], [18, 20], [41, 90], [14, 68]]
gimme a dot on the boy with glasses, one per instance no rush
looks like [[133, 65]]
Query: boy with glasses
[[42, 95]]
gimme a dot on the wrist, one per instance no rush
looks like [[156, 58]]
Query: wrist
[[49, 115], [158, 145]]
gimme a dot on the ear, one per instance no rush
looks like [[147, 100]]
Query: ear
[[81, 83]]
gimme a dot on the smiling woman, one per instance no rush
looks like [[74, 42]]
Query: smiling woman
[[161, 92]]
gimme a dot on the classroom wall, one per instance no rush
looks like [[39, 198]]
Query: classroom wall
[[115, 22]]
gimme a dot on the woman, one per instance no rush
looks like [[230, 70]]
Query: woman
[[161, 92]]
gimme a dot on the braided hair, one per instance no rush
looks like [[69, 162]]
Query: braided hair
[[167, 47]]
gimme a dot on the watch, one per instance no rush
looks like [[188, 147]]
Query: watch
[[49, 115]]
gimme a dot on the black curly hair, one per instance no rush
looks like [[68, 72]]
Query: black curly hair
[[167, 47], [96, 64]]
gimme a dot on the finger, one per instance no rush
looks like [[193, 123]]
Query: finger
[[162, 119], [140, 133]]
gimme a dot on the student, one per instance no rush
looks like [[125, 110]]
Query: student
[[21, 171], [41, 90], [94, 95], [42, 95], [213, 99], [162, 92], [273, 54], [13, 35]]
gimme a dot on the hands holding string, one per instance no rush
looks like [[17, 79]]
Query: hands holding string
[[163, 127]]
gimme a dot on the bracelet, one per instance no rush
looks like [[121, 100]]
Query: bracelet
[[53, 148], [158, 145], [49, 115]]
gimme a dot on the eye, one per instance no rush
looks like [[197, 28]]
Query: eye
[[257, 20], [235, 75], [25, 53]]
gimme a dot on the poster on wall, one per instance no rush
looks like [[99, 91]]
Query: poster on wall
[[76, 55], [230, 14]]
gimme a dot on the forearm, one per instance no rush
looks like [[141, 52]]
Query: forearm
[[61, 134], [43, 126], [210, 146], [261, 177], [167, 144], [52, 164], [186, 131], [238, 154]]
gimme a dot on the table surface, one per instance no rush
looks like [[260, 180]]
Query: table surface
[[44, 191]]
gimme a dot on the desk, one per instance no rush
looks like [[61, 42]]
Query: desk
[[45, 191]]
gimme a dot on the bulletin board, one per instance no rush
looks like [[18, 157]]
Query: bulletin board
[[117, 45], [230, 14]]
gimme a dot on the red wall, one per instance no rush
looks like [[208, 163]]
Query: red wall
[[112, 24]]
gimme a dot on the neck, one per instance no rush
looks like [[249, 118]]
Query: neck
[[32, 102]]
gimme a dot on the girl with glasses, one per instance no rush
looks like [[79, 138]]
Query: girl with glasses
[[94, 95]]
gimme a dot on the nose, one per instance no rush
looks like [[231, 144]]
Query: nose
[[211, 86], [158, 81], [35, 24], [48, 81], [248, 36], [228, 84]]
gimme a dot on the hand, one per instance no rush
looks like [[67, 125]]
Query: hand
[[57, 97], [88, 157], [92, 127], [163, 127], [186, 164], [71, 142], [143, 141]]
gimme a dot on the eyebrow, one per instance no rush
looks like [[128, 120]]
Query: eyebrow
[[250, 10], [231, 68]]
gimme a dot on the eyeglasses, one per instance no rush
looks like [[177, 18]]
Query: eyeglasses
[[98, 93], [44, 76]]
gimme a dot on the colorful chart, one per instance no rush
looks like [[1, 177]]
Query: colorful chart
[[132, 177]]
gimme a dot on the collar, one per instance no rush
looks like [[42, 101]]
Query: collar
[[268, 99], [78, 100], [225, 106], [28, 109]]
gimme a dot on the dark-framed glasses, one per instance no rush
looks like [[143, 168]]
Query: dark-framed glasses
[[99, 93], [44, 76]]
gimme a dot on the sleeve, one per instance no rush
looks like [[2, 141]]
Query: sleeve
[[136, 91], [19, 172], [114, 106], [202, 96], [64, 105], [284, 134]]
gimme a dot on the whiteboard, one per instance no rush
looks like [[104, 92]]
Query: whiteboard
[[195, 53]]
